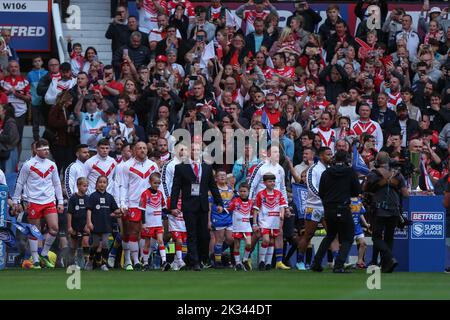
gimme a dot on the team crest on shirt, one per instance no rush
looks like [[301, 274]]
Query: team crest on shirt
[[97, 207], [77, 207], [81, 202], [32, 211], [102, 200]]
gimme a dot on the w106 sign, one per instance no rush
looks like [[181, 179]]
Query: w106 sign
[[428, 225]]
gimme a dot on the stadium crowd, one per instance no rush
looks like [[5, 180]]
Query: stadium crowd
[[312, 85]]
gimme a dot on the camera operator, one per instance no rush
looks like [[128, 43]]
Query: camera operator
[[388, 187], [337, 185]]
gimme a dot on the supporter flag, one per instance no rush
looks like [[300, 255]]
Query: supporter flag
[[29, 229], [358, 163], [7, 236], [428, 182], [207, 54], [269, 62], [299, 193], [266, 121], [230, 18]]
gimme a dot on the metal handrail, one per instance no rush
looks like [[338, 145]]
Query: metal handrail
[[57, 25]]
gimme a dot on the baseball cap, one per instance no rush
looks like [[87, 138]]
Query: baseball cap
[[402, 106], [161, 58], [435, 10]]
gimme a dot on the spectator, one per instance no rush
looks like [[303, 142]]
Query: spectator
[[65, 82], [62, 122], [138, 53], [7, 53], [18, 90], [409, 35], [117, 30], [201, 24], [310, 17], [33, 77], [259, 38], [9, 139], [148, 12]]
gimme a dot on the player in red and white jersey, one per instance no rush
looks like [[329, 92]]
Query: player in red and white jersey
[[269, 208], [188, 6], [177, 226], [17, 88], [324, 131], [101, 165], [366, 125], [248, 16], [280, 68], [152, 203], [126, 154], [241, 209], [40, 176], [148, 12], [133, 181]]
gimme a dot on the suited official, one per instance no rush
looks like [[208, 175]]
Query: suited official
[[194, 179]]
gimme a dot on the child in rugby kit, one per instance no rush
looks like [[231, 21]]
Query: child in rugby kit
[[268, 211], [241, 209], [358, 211], [221, 223], [76, 219], [151, 204], [101, 211]]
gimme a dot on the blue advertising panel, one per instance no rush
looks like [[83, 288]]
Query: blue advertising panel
[[30, 24], [3, 207]]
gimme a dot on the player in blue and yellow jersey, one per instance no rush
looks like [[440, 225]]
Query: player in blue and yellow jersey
[[221, 223], [358, 212]]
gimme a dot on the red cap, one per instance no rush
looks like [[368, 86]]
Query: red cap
[[161, 58]]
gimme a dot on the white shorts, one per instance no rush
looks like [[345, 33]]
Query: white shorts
[[313, 214], [359, 236], [229, 228]]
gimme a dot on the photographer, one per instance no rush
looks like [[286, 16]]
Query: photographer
[[337, 185], [388, 186]]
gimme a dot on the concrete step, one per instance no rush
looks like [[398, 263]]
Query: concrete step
[[91, 27], [86, 42], [86, 34], [92, 19]]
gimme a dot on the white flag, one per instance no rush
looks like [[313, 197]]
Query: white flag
[[230, 19], [207, 54], [269, 62]]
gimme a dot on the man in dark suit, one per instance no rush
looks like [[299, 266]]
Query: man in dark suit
[[406, 126], [194, 179]]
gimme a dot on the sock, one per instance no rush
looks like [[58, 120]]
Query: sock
[[262, 252], [218, 253], [269, 254], [246, 254], [179, 252], [145, 256], [126, 251], [34, 248], [141, 247], [278, 255], [105, 254], [329, 256], [335, 254], [98, 258], [309, 253], [162, 252], [184, 250], [134, 249], [47, 244], [300, 257], [237, 257], [91, 254]]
